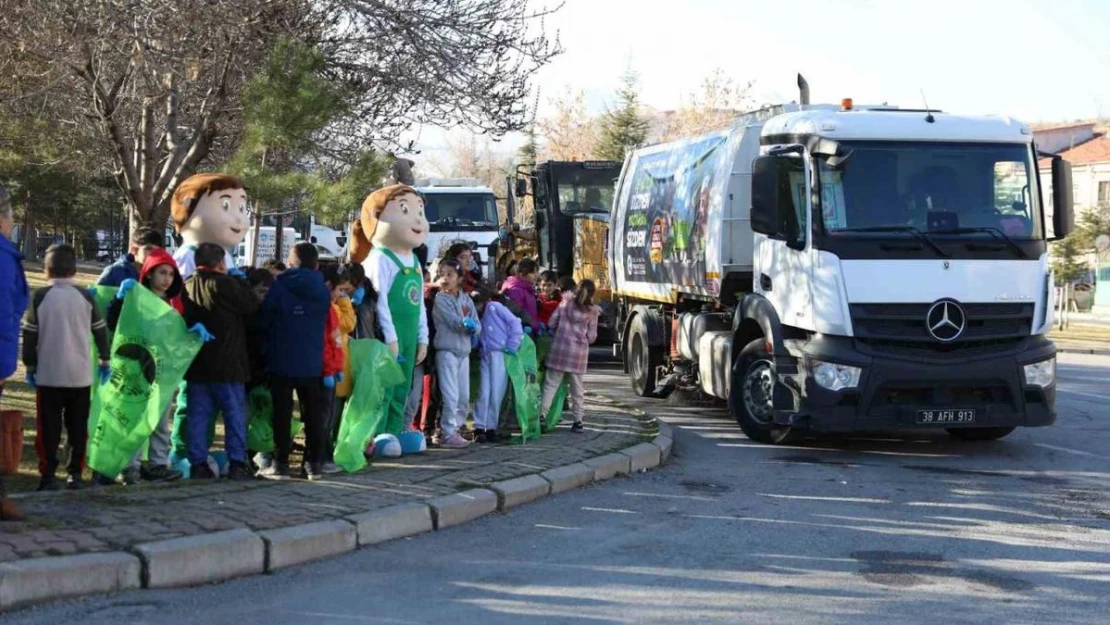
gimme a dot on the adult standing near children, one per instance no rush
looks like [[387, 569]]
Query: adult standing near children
[[143, 242], [13, 303]]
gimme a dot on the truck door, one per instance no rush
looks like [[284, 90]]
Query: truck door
[[783, 261]]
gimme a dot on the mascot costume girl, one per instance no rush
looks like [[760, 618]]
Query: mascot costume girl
[[390, 227]]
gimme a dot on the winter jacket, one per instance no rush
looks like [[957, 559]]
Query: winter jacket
[[500, 329], [575, 328], [449, 313], [223, 304], [522, 293], [155, 259], [347, 323], [117, 272], [546, 308], [292, 320], [13, 303], [56, 333], [333, 350]]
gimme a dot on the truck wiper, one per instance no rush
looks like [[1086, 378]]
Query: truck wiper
[[994, 232], [916, 232]]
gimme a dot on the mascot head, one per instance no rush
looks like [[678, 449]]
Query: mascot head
[[210, 208], [392, 217]]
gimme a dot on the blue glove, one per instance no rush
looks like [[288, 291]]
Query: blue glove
[[471, 326], [93, 291], [105, 373], [528, 330], [339, 377], [238, 273], [474, 342], [125, 288], [401, 358], [202, 332], [510, 351], [329, 381], [358, 295], [30, 379]]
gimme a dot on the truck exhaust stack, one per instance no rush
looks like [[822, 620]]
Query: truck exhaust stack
[[803, 89]]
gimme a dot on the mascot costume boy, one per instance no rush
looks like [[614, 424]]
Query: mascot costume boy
[[390, 227], [206, 208]]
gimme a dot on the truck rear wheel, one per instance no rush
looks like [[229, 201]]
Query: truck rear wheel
[[751, 396], [978, 434], [643, 360]]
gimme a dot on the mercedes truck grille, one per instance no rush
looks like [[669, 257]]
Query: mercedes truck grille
[[911, 323]]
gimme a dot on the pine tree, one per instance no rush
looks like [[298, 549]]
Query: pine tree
[[526, 154], [622, 128]]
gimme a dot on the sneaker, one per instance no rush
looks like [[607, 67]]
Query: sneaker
[[578, 427], [238, 472], [201, 472], [312, 471], [437, 438], [74, 482], [263, 460], [455, 441], [276, 471], [47, 483], [130, 477], [99, 479], [159, 473], [330, 468], [491, 436]]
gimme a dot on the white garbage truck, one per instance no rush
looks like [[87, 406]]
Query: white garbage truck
[[843, 268]]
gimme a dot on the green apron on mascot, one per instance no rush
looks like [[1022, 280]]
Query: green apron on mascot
[[404, 307]]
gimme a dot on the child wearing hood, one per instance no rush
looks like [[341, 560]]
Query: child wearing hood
[[520, 289], [159, 274], [501, 333]]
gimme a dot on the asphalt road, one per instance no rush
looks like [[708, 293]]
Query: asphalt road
[[862, 530]]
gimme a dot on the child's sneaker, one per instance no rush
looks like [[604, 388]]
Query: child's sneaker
[[312, 471], [455, 441], [491, 436], [276, 471], [159, 473], [578, 427], [263, 460], [201, 472], [74, 482], [130, 477], [330, 468], [479, 435], [238, 472], [47, 483]]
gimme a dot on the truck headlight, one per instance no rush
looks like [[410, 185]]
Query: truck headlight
[[1041, 373], [833, 376]]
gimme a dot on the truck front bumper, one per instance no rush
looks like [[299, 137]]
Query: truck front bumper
[[898, 383]]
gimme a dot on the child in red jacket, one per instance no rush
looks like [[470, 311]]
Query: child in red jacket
[[339, 283]]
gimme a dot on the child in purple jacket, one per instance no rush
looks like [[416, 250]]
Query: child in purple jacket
[[520, 289], [502, 334]]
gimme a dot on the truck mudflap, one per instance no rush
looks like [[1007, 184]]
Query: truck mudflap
[[916, 388]]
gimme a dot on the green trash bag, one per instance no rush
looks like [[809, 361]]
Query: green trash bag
[[260, 425], [374, 370], [102, 297], [521, 368], [555, 412], [151, 351]]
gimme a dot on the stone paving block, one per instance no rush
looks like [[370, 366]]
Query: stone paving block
[[665, 444], [665, 430], [609, 466], [385, 524], [520, 490], [643, 456], [568, 477], [289, 546], [462, 507], [202, 559], [30, 581]]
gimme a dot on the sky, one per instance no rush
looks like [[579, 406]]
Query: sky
[[1038, 61]]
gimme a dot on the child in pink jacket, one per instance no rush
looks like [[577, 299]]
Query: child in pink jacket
[[575, 326]]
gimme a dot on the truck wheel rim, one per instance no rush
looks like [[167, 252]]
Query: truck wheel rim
[[637, 363], [758, 391]]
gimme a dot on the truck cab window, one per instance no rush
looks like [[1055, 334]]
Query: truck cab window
[[792, 201]]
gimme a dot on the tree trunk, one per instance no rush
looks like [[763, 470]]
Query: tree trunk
[[30, 241]]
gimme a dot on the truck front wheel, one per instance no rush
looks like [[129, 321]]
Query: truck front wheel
[[751, 396], [643, 360], [979, 434]]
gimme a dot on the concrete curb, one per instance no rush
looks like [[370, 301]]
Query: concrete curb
[[390, 523], [462, 507], [1087, 351], [221, 556], [290, 546], [201, 559], [519, 491], [38, 579]]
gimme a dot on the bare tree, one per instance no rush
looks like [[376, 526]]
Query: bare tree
[[569, 132], [713, 107]]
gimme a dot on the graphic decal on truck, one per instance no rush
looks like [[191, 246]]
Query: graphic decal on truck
[[666, 222]]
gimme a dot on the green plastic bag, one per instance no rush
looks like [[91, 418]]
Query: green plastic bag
[[151, 351], [555, 412], [260, 426], [102, 297], [521, 368], [374, 370]]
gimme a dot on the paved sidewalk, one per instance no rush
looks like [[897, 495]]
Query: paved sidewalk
[[117, 518]]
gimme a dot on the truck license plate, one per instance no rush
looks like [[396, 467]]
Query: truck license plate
[[944, 417]]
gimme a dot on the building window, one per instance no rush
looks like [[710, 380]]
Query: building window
[[1104, 192]]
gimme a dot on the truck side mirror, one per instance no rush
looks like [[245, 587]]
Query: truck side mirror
[[1063, 209], [521, 187], [765, 195]]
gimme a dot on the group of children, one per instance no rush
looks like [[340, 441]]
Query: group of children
[[287, 329]]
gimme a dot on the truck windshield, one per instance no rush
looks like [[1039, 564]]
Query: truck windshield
[[585, 191], [460, 211], [967, 190]]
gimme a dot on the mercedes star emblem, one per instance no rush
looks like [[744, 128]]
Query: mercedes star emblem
[[945, 321]]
